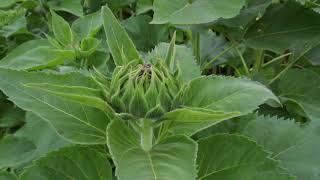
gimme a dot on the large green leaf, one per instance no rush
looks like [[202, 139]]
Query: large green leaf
[[314, 56], [198, 12], [189, 121], [216, 98], [226, 94], [35, 54], [42, 135], [144, 35], [285, 26], [12, 22], [14, 150], [301, 87], [120, 44], [88, 25], [4, 175], [236, 157], [183, 57], [70, 163], [33, 140], [170, 158], [71, 6], [295, 145], [75, 121]]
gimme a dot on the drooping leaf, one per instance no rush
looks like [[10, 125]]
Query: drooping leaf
[[71, 6], [70, 163], [302, 88], [183, 58], [13, 150], [61, 29], [236, 157], [117, 38], [197, 12], [168, 159], [74, 121], [35, 54], [285, 26], [295, 145]]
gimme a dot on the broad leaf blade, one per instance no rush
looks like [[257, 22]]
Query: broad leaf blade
[[198, 12], [285, 26], [76, 122], [293, 144], [118, 39], [34, 55], [70, 163], [172, 157], [226, 94], [4, 175], [71, 6], [301, 87], [13, 150], [236, 157], [189, 121]]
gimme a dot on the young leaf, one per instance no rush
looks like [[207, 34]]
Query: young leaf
[[171, 53], [198, 12], [289, 142], [118, 39], [76, 122], [61, 29], [70, 163], [170, 158], [184, 59], [236, 157], [34, 55]]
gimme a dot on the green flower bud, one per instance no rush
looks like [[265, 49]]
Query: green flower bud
[[143, 90]]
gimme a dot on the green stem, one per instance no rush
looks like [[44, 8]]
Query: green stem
[[207, 65], [288, 67], [196, 45], [146, 134], [259, 61], [276, 59], [243, 61]]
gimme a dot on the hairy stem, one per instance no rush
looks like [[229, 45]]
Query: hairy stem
[[146, 134]]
